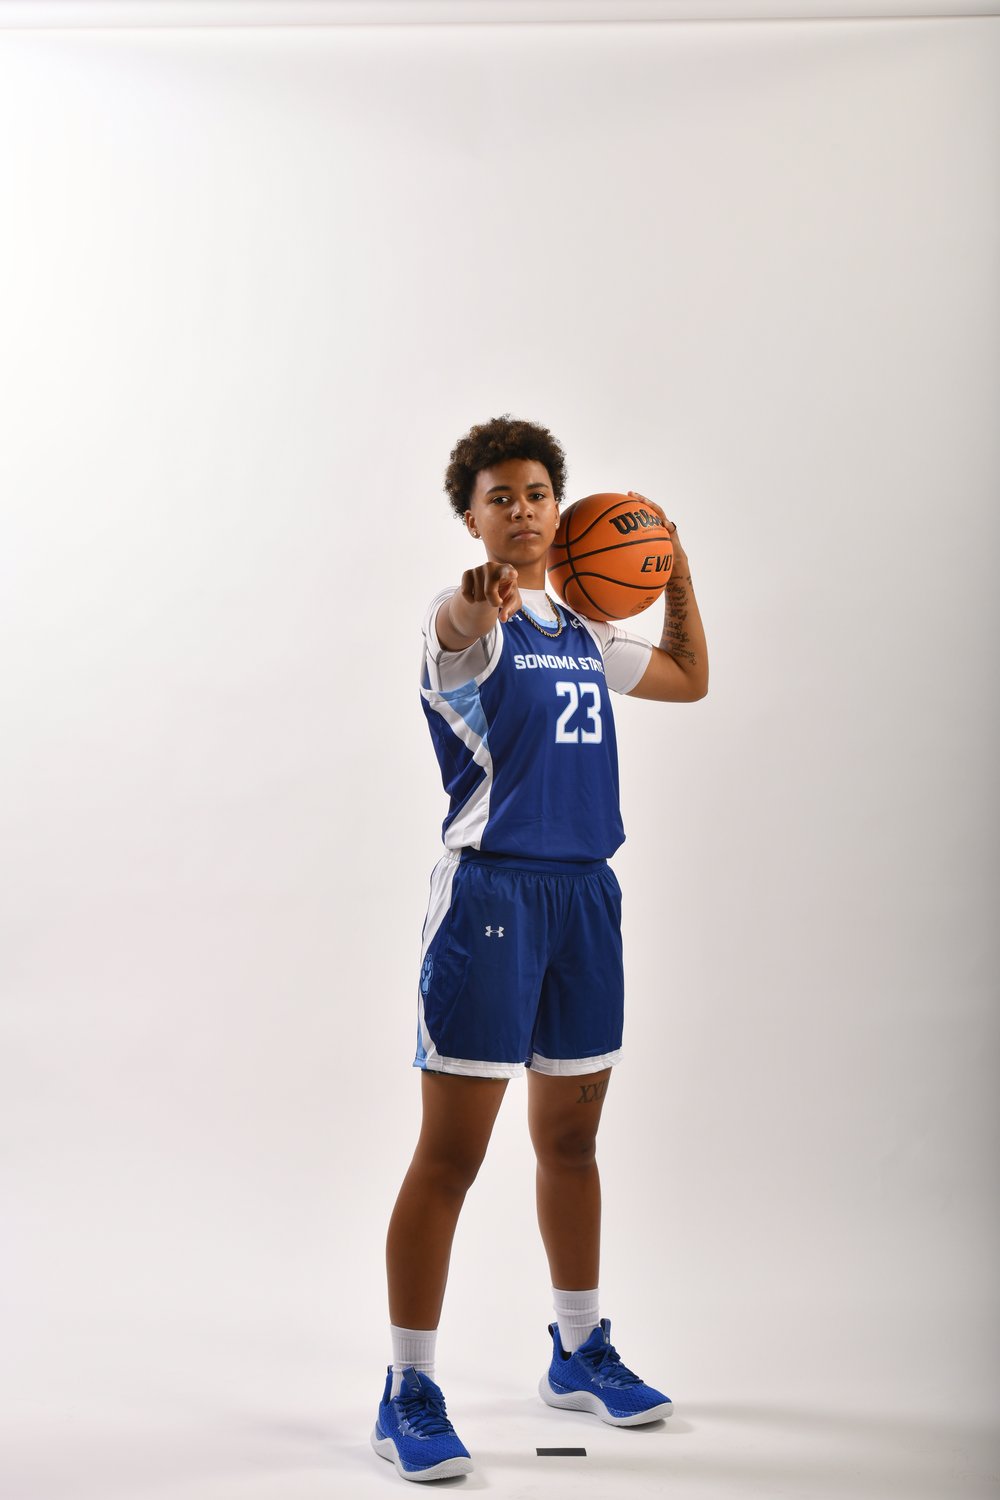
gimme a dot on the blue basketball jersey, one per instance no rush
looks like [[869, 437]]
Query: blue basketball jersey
[[527, 748]]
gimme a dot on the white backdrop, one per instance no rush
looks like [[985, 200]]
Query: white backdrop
[[255, 284]]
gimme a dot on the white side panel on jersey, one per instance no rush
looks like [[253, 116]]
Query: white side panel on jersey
[[462, 710], [467, 827]]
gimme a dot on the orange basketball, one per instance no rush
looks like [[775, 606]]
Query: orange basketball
[[611, 557]]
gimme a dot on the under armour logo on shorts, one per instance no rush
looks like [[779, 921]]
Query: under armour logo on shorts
[[494, 932]]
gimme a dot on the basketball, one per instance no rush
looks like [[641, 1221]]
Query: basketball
[[611, 557]]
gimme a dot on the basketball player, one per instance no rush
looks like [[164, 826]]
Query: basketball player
[[522, 955]]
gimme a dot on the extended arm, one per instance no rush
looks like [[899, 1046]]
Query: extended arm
[[486, 594]]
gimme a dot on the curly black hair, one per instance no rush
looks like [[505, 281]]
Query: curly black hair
[[491, 443]]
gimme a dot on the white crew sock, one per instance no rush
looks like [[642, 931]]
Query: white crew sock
[[411, 1346], [577, 1314]]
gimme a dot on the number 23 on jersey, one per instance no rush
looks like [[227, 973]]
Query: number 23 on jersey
[[583, 696]]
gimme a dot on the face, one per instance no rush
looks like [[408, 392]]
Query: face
[[514, 512]]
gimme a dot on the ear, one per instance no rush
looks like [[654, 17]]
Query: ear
[[470, 524]]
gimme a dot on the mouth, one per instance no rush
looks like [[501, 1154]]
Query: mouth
[[523, 535]]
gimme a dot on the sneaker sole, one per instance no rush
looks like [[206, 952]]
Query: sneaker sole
[[585, 1401], [386, 1448]]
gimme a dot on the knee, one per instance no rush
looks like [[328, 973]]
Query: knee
[[572, 1148], [450, 1169]]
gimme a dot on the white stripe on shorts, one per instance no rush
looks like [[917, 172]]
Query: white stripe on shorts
[[571, 1066], [442, 880]]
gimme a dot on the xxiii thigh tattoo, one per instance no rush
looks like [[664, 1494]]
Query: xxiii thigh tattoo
[[591, 1092]]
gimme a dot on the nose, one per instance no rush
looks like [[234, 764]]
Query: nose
[[521, 507]]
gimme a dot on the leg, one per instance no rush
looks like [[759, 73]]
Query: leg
[[458, 1116], [564, 1113], [563, 1116]]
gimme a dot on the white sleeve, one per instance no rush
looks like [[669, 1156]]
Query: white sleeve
[[445, 669], [626, 657]]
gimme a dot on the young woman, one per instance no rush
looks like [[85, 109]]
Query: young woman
[[522, 959]]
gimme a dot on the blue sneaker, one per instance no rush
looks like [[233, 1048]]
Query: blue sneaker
[[593, 1378], [414, 1433]]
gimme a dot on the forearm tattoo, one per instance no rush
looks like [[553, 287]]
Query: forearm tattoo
[[675, 639], [590, 1093]]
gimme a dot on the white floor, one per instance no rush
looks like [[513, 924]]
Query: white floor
[[207, 1321], [714, 1450], [231, 1432]]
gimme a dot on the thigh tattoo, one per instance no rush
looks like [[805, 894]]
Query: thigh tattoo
[[590, 1093]]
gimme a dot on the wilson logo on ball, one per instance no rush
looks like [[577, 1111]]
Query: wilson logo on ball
[[631, 520]]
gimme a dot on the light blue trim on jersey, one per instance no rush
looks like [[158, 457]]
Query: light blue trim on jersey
[[544, 621], [466, 701]]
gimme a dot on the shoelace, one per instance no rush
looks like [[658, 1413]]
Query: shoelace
[[424, 1412], [607, 1363]]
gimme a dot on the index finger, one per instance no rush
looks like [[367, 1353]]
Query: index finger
[[501, 582]]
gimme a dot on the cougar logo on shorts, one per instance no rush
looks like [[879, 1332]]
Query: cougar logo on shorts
[[425, 974]]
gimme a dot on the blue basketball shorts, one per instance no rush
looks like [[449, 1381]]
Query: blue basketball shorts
[[521, 966]]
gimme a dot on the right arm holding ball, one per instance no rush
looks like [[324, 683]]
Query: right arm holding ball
[[678, 667]]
